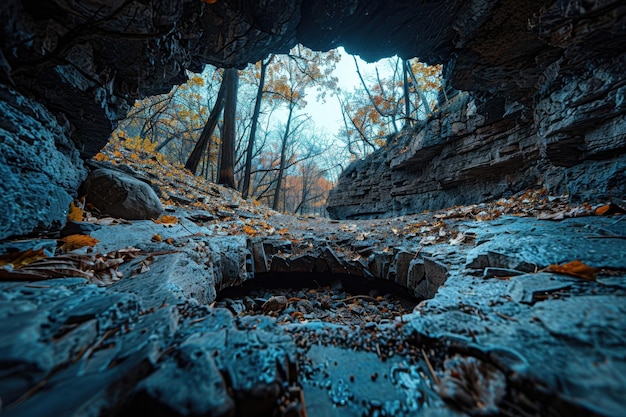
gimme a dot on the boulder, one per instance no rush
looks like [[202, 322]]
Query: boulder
[[119, 195]]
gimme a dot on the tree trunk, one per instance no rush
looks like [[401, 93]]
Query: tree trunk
[[227, 165], [283, 152], [407, 101], [205, 137], [255, 117], [305, 193]]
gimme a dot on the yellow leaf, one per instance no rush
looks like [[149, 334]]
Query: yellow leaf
[[157, 238], [575, 268], [75, 213], [72, 242]]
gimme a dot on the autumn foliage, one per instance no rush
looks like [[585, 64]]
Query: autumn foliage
[[575, 268]]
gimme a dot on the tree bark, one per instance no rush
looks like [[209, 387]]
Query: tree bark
[[227, 165]]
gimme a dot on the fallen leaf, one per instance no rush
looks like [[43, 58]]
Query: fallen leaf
[[72, 242], [157, 238], [145, 265], [165, 219], [608, 209], [472, 384], [97, 269], [20, 259], [249, 230], [75, 213], [458, 239], [575, 268], [67, 265], [546, 215], [127, 253]]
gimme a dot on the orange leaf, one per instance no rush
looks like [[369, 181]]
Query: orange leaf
[[157, 238], [75, 213], [607, 209], [165, 219], [249, 230], [602, 210], [72, 242], [101, 157], [575, 268]]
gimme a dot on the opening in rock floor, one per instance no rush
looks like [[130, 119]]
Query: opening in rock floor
[[355, 358], [350, 358], [303, 298]]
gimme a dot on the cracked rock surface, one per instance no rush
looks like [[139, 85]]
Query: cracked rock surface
[[327, 317]]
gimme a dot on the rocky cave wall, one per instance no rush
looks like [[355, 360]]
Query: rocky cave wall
[[545, 76], [550, 112]]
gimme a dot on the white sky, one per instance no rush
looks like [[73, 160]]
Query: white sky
[[327, 115]]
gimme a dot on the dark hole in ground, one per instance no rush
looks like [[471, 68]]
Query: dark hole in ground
[[339, 299]]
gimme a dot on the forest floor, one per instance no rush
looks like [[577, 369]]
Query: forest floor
[[528, 317]]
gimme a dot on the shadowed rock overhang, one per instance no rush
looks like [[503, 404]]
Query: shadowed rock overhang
[[88, 61]]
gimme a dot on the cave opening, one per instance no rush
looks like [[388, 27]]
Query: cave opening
[[300, 119]]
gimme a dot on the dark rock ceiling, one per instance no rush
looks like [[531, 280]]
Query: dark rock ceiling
[[88, 61]]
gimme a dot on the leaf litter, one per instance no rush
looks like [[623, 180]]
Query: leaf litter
[[218, 200]]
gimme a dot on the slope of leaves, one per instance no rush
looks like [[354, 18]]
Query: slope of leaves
[[178, 186]]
